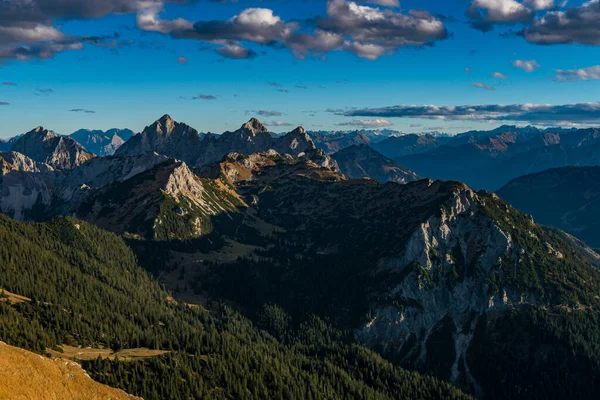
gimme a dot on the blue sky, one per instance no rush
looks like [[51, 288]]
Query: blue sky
[[131, 73]]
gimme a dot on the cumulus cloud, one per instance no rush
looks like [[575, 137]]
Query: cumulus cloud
[[484, 14], [526, 65], [367, 31], [530, 113], [540, 5], [28, 27], [367, 123], [499, 75], [583, 74], [236, 52], [576, 24], [482, 86]]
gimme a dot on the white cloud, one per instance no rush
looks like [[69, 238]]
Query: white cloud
[[482, 86], [526, 65], [583, 74]]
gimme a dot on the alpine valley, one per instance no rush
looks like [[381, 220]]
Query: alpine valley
[[253, 265]]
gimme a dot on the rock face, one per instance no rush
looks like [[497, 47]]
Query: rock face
[[165, 137], [44, 146], [364, 162], [565, 198], [102, 143], [456, 250]]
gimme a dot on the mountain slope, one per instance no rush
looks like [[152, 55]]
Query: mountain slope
[[102, 143], [44, 146], [429, 274], [92, 274], [165, 137], [27, 375], [364, 162], [566, 198]]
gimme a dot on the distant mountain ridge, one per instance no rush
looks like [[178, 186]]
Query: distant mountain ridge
[[489, 160], [567, 198], [361, 161], [102, 143]]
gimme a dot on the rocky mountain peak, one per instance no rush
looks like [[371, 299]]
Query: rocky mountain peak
[[45, 146], [165, 124], [255, 126], [41, 132], [299, 131], [166, 137], [295, 143]]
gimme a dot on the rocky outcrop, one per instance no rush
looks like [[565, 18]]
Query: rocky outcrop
[[165, 137], [44, 146]]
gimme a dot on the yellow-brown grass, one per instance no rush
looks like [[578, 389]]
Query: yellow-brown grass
[[79, 353], [26, 375], [12, 297]]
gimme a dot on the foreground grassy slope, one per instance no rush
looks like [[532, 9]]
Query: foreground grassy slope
[[26, 375], [87, 289]]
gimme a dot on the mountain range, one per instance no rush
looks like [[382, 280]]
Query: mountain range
[[279, 272], [490, 159]]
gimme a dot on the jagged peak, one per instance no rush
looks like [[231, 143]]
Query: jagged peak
[[255, 126], [298, 131], [165, 118], [41, 129]]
